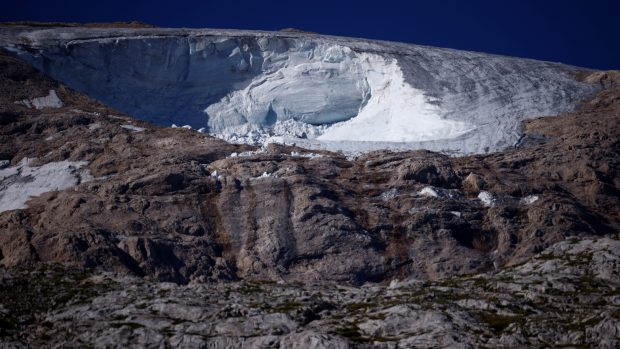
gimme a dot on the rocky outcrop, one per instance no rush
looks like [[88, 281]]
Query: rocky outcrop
[[175, 205], [566, 296]]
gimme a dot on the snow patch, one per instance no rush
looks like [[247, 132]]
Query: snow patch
[[381, 108], [528, 200], [434, 192], [389, 195], [262, 150], [19, 183], [430, 192], [488, 199], [49, 101], [133, 128], [216, 175], [306, 155], [266, 175], [291, 130]]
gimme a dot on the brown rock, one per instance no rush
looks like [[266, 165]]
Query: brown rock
[[473, 184]]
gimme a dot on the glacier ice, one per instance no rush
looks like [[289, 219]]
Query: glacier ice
[[395, 112], [311, 90]]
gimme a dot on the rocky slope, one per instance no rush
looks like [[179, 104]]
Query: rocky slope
[[176, 205], [270, 244], [567, 296]]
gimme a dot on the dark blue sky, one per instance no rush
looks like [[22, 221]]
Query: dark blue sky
[[584, 33]]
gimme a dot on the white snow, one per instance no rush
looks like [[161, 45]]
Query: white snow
[[266, 175], [216, 175], [396, 112], [389, 195], [248, 153], [306, 155], [488, 199], [530, 199], [19, 183], [49, 101], [430, 192], [133, 128]]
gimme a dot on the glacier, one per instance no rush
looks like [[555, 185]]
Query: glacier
[[316, 91]]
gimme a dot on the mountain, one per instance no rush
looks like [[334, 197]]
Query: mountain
[[117, 229]]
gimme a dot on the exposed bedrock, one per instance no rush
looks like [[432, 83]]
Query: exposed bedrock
[[176, 205]]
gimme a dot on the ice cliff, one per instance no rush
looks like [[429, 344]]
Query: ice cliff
[[316, 91]]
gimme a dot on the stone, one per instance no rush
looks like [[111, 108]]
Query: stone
[[473, 184]]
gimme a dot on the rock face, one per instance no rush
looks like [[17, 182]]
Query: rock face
[[237, 82], [567, 295], [176, 205]]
